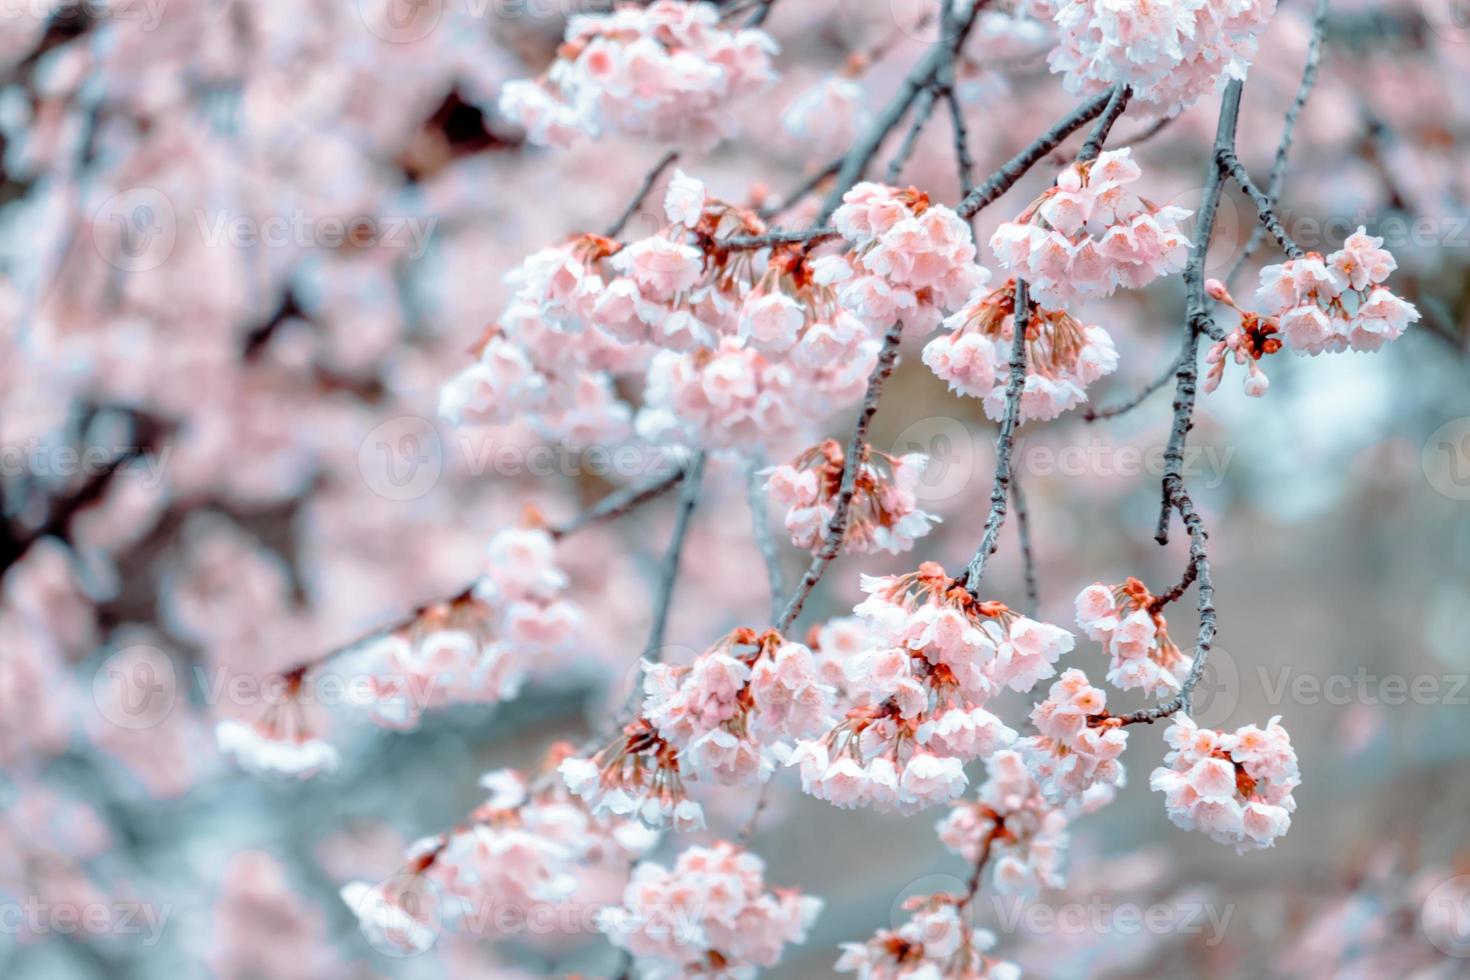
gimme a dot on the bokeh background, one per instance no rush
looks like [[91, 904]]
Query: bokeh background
[[242, 244]]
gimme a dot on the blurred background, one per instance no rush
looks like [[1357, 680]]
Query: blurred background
[[243, 243]]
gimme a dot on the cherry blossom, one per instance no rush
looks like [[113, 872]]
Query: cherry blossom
[[1128, 621], [884, 510], [1169, 54], [667, 71], [935, 655], [936, 941], [1010, 826], [1090, 234], [1077, 745], [638, 774], [281, 742], [710, 914], [909, 260], [1063, 356], [1234, 786]]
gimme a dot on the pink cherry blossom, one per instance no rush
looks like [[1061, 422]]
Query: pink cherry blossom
[[1234, 786]]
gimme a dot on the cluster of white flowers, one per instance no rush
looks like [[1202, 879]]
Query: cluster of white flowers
[[934, 656], [1234, 786], [479, 647], [1090, 234], [710, 915], [936, 942], [1313, 305], [741, 696], [1170, 52], [668, 71], [909, 260], [1077, 745], [883, 514], [1063, 356], [1125, 619]]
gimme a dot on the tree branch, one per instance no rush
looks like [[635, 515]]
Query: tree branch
[[1004, 442], [837, 526]]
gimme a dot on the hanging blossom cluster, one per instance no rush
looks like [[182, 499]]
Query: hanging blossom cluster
[[909, 260], [1313, 305], [1234, 786], [1063, 356], [1090, 234], [281, 741], [883, 515], [759, 349], [744, 694], [520, 850], [1078, 745], [667, 71], [479, 647], [1170, 53], [1021, 836], [935, 656], [710, 915], [936, 942], [735, 348], [714, 719], [1128, 622], [476, 648]]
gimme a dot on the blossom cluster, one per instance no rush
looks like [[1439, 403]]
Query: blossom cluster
[[1313, 305], [1078, 745], [1091, 233], [1020, 835], [747, 692], [519, 850], [1127, 621], [908, 259], [936, 941], [883, 514], [667, 71], [935, 656], [1063, 356], [1170, 54], [1234, 786], [710, 915], [479, 647]]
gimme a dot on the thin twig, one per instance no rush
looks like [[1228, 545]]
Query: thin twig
[[1016, 167], [802, 190], [1028, 560], [1117, 105], [1113, 411], [1005, 442], [1277, 179], [837, 526], [1175, 494], [764, 540], [664, 163], [613, 506], [918, 80], [1228, 162], [669, 570]]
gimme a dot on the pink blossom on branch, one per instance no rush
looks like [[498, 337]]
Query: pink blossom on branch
[[884, 511]]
